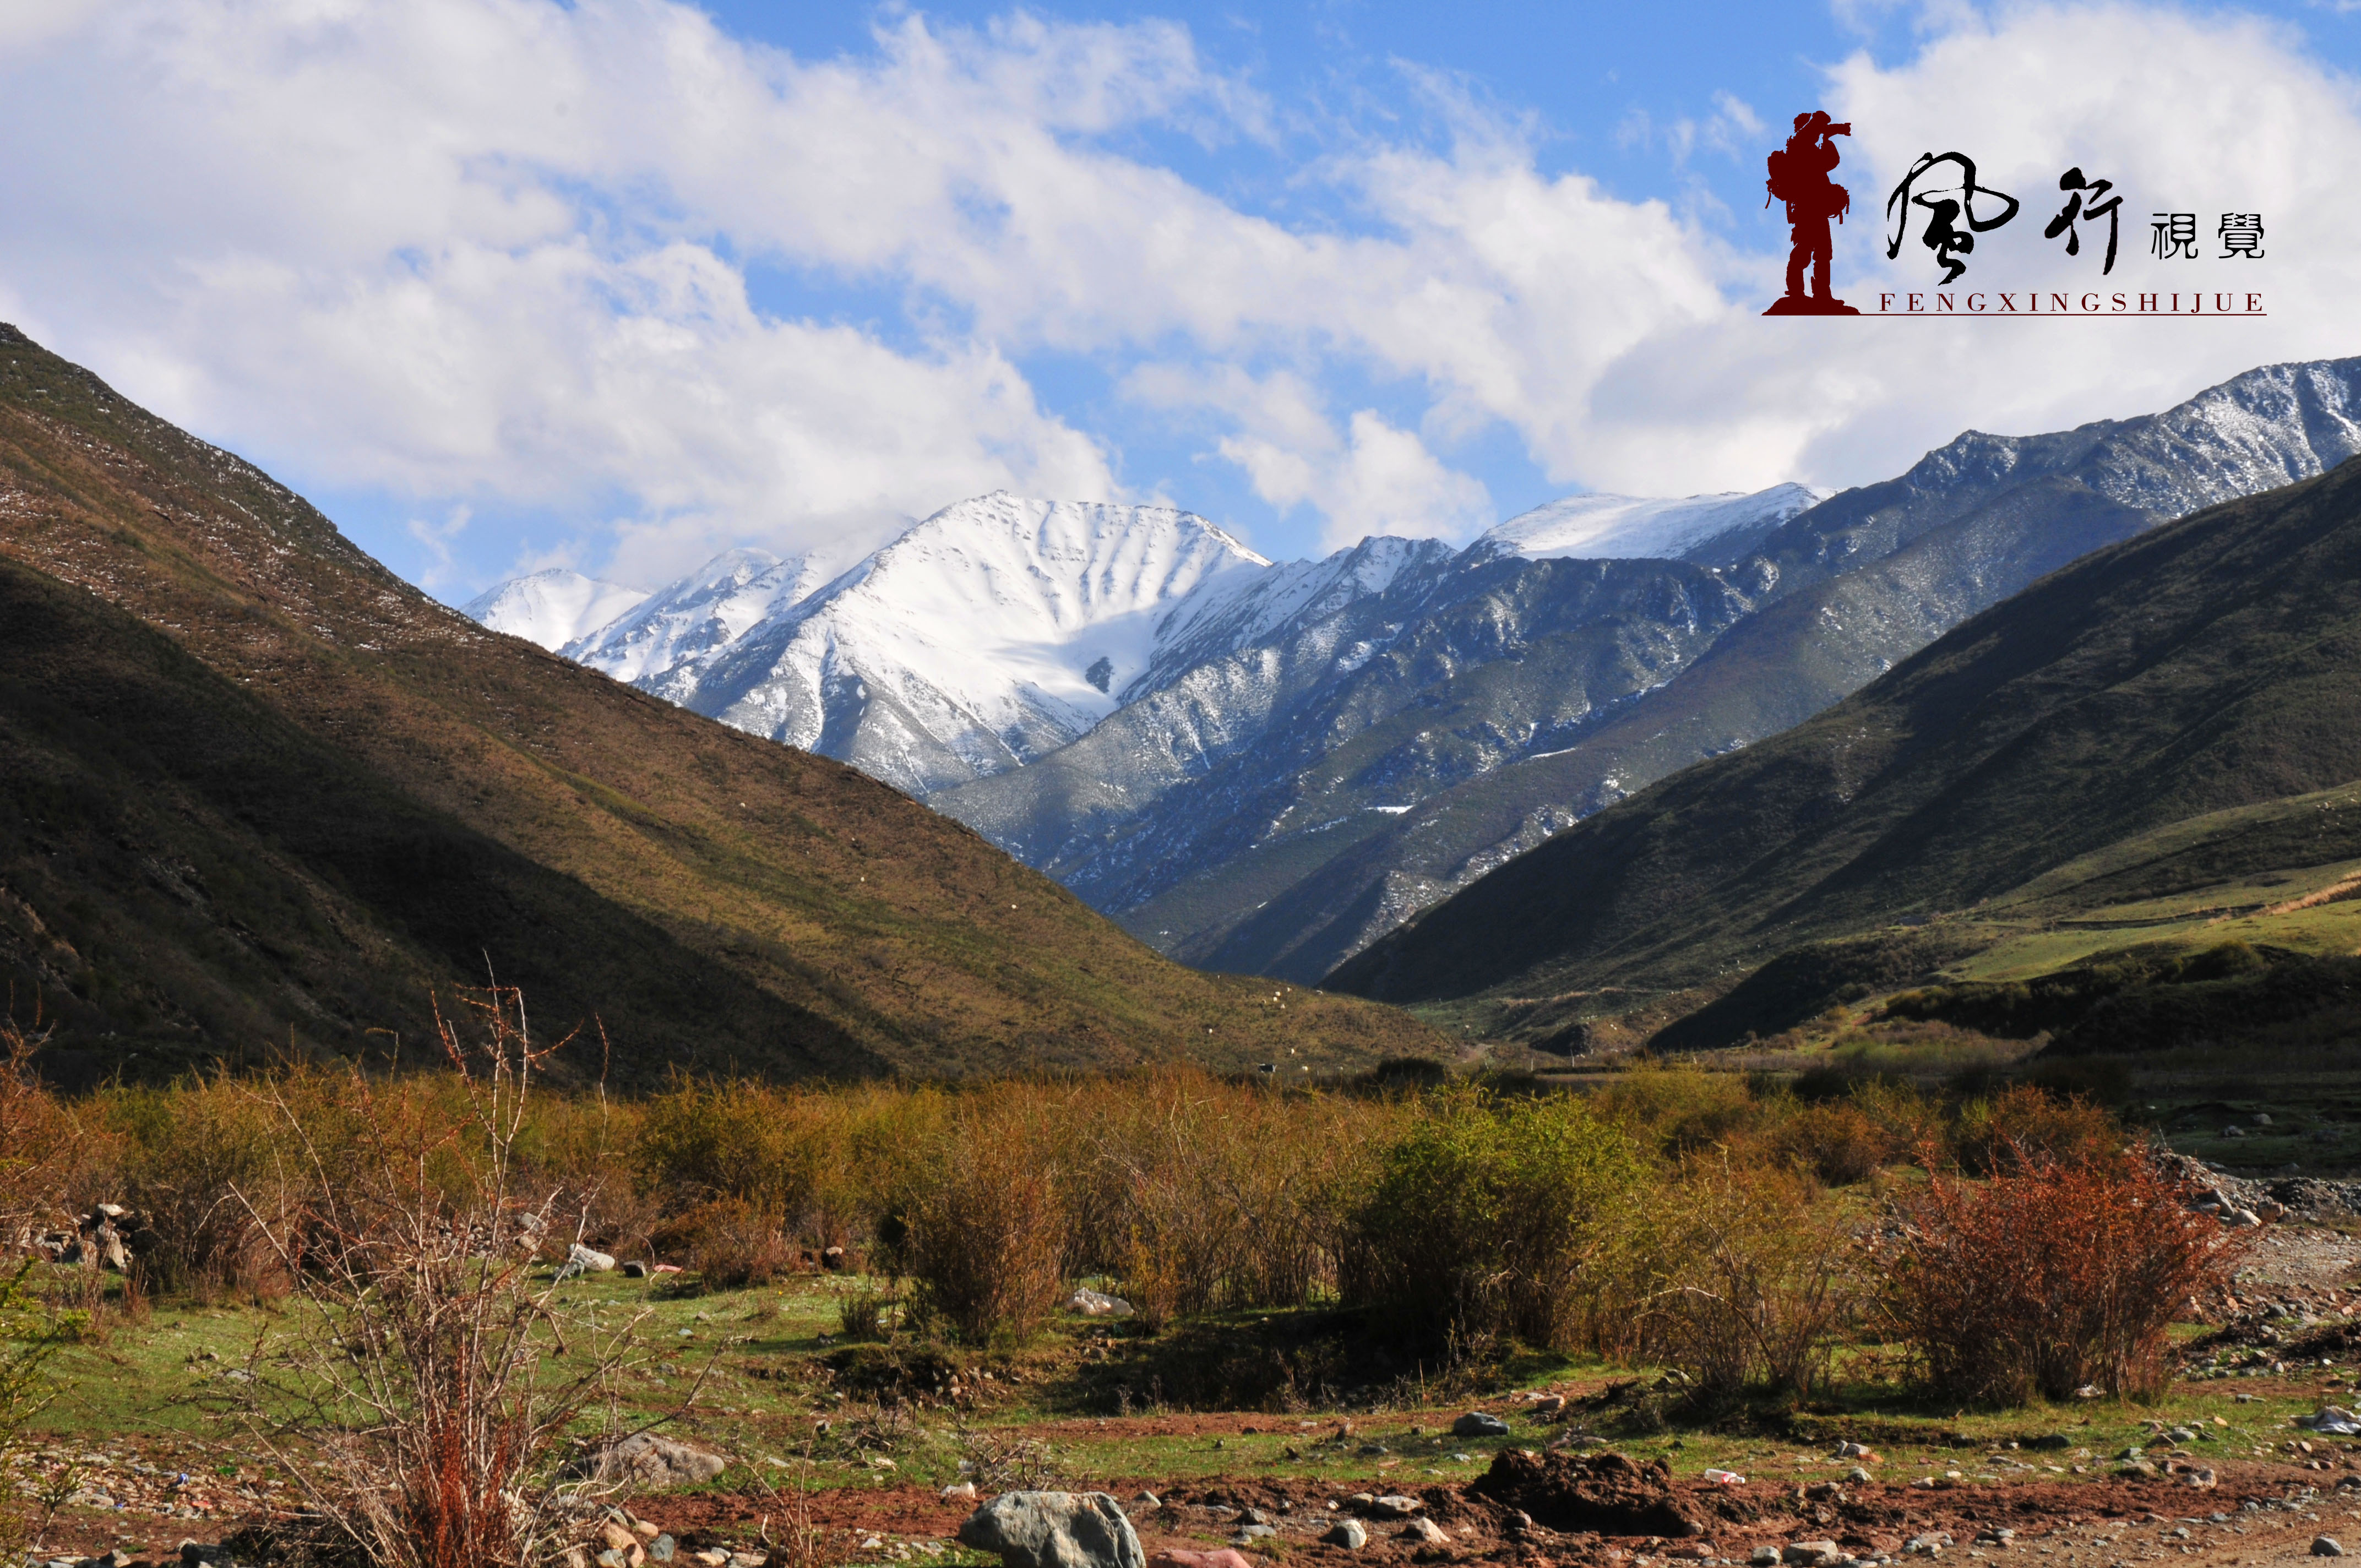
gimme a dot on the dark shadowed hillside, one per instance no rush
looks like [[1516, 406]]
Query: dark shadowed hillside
[[256, 792], [2039, 758]]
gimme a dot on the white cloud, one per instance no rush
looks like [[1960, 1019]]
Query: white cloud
[[480, 250]]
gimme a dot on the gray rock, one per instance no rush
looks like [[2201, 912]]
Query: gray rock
[[1393, 1506], [1476, 1423], [636, 1269], [1425, 1531], [590, 1258], [646, 1460], [1054, 1529], [1253, 1532], [2327, 1546], [662, 1548], [1097, 1304], [1812, 1553], [1765, 1557], [1350, 1534]]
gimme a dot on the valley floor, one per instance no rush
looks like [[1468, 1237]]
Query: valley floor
[[844, 1448]]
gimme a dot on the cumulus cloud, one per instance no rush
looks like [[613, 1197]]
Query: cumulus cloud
[[476, 251]]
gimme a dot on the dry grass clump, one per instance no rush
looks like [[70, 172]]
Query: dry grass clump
[[2063, 1271]]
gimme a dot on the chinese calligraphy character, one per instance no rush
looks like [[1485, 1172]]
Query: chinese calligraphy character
[[2176, 235], [2077, 207], [2241, 235], [1941, 236]]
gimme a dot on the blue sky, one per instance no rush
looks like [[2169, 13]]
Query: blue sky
[[618, 283]]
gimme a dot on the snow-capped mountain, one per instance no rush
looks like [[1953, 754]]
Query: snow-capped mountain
[[665, 642], [552, 607], [1622, 527]]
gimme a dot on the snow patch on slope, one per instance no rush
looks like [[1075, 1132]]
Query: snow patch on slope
[[1611, 528]]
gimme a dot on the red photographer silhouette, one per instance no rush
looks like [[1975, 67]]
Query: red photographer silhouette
[[1799, 177]]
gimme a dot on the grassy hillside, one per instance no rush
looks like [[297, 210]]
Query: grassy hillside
[[256, 792], [2133, 727]]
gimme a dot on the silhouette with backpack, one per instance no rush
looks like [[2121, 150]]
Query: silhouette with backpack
[[1798, 177]]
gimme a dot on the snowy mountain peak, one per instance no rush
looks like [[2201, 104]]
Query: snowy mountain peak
[[1628, 527], [552, 607], [996, 631], [664, 643]]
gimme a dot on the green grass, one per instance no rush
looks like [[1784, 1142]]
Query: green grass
[[152, 1383]]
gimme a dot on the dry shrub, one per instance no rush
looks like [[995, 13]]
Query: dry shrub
[[1679, 1108], [1491, 1220], [38, 1137], [415, 1369], [730, 1244], [1199, 1195], [1756, 1281], [829, 1163], [2024, 1121], [986, 1230], [2061, 1272], [1838, 1142]]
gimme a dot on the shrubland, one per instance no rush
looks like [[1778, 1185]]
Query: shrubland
[[1764, 1242]]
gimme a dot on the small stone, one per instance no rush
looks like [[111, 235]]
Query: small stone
[[1148, 1500], [958, 1492], [1394, 1506], [2327, 1546], [1479, 1423], [1812, 1553], [1857, 1474], [661, 1549], [1765, 1557], [1350, 1534], [1425, 1531], [1254, 1533]]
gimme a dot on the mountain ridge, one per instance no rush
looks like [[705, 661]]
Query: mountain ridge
[[2212, 664]]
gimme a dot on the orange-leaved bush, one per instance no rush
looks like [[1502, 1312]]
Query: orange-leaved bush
[[2056, 1273]]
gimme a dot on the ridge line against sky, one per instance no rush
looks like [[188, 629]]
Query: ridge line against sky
[[617, 284]]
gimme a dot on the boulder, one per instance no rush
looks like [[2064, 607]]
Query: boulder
[[1097, 1304], [582, 1258], [1478, 1424], [643, 1459], [1054, 1529]]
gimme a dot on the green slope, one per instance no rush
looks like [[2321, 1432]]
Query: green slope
[[257, 792], [2211, 666]]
